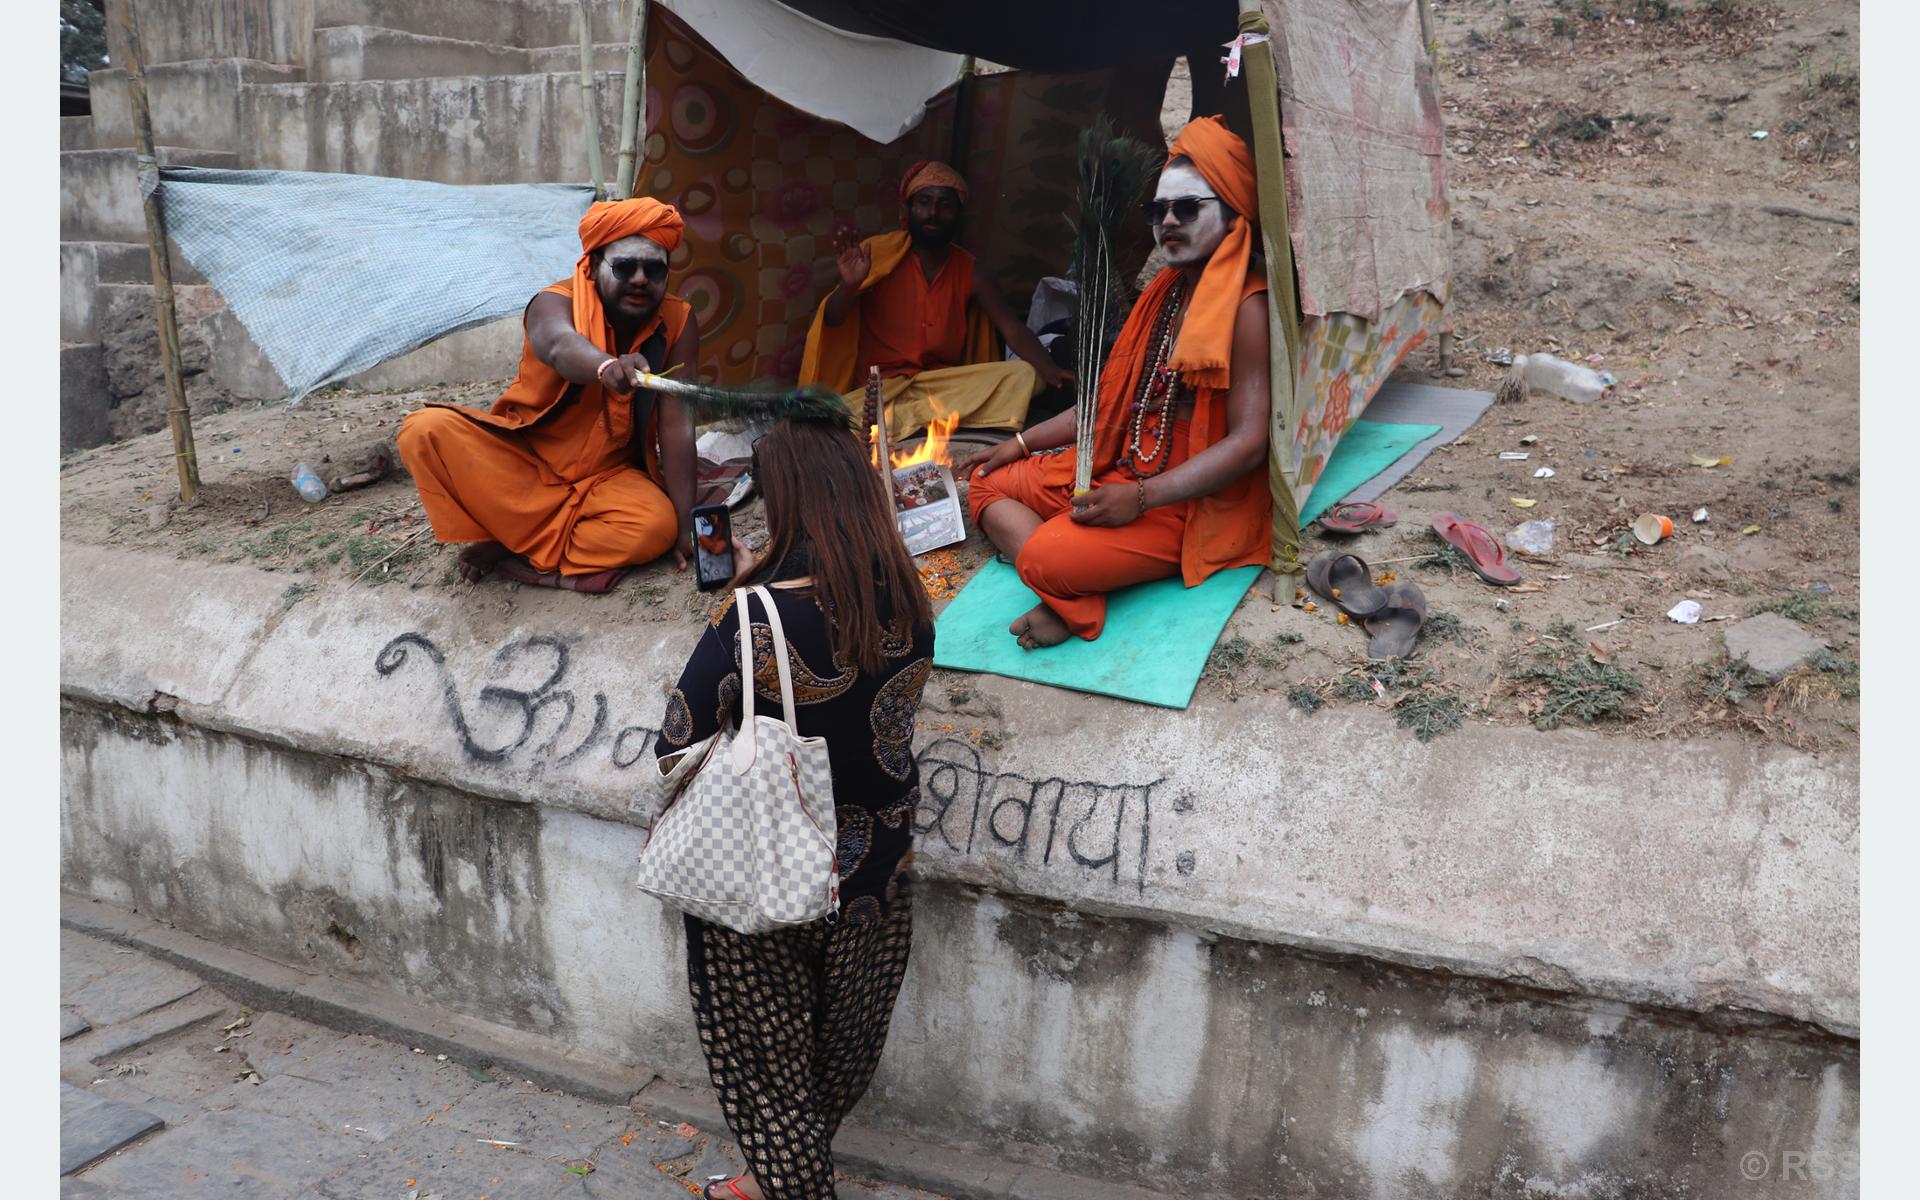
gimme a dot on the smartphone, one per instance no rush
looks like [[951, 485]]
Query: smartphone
[[712, 546]]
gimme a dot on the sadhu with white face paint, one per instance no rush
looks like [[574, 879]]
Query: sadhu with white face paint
[[574, 477], [1181, 427]]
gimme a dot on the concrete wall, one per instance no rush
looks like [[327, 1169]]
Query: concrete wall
[[268, 30], [466, 130], [1194, 950]]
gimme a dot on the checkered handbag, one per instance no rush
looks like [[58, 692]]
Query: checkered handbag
[[747, 837]]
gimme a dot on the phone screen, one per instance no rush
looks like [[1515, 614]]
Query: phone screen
[[712, 546]]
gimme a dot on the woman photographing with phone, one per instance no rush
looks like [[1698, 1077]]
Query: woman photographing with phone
[[792, 1022]]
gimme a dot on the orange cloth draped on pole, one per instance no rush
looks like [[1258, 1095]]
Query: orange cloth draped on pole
[[1072, 567], [549, 473]]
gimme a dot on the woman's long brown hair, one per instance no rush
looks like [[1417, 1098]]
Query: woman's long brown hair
[[823, 492]]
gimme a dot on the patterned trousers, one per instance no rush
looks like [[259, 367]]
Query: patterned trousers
[[792, 1024]]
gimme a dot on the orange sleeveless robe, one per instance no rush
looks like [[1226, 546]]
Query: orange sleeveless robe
[[556, 482]]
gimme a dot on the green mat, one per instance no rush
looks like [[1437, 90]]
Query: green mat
[[1158, 634], [1364, 451]]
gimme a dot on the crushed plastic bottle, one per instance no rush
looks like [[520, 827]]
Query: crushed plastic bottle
[[1570, 381], [1531, 537], [310, 486]]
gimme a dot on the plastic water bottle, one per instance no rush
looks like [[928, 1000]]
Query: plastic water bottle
[[309, 485], [1570, 381]]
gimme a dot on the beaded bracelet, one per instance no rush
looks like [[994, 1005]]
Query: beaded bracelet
[[1141, 484], [600, 372]]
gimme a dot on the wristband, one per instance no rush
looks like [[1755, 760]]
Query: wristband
[[600, 372], [1025, 450], [1141, 484]]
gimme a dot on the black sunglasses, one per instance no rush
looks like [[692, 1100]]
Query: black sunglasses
[[1184, 210], [623, 268]]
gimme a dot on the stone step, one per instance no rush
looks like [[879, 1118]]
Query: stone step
[[100, 193], [607, 56], [195, 104], [76, 133], [502, 20], [356, 52], [557, 23], [275, 31], [463, 130], [84, 266]]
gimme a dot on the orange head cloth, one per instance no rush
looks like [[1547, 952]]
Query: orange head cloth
[[609, 221], [929, 174], [1204, 353]]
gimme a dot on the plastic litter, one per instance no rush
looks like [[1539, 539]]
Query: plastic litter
[[1544, 473], [1531, 537], [1759, 135], [310, 486], [1545, 373], [1652, 528], [1687, 612], [1700, 516], [1514, 456]]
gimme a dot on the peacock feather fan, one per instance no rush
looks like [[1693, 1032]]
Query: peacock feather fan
[[1116, 173], [811, 403]]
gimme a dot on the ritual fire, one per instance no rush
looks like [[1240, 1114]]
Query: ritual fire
[[932, 449]]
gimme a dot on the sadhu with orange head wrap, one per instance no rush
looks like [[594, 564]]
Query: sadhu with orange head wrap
[[925, 312], [1181, 426], [573, 477]]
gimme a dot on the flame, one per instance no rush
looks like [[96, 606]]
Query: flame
[[932, 449]]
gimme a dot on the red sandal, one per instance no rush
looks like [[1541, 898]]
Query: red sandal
[[732, 1185], [1357, 516], [1482, 551]]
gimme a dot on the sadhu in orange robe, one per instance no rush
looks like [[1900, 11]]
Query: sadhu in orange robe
[[937, 351], [1071, 566], [551, 471]]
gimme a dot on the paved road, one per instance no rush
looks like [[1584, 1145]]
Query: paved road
[[170, 1089]]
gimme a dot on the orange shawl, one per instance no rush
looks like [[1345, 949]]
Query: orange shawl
[[1205, 349]]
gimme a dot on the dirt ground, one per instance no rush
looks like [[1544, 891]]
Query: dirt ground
[[1609, 198]]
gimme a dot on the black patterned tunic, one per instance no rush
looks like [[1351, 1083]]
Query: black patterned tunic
[[866, 719], [792, 1022]]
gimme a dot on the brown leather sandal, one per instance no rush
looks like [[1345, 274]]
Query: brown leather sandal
[[1347, 581]]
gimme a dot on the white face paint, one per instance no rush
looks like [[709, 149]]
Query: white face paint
[[635, 296], [1192, 244]]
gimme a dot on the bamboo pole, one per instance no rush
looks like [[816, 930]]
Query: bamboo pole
[[590, 101], [148, 168], [633, 98], [877, 414]]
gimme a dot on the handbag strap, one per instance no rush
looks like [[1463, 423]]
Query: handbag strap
[[780, 657], [743, 746]]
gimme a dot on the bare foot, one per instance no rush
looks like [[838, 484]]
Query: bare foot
[[478, 560], [1039, 626], [746, 1184]]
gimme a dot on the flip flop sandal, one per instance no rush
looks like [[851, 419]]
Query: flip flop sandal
[[597, 584], [732, 1185], [1483, 553], [1395, 628], [1347, 581], [1357, 516]]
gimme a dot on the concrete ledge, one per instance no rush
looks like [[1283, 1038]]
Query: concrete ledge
[[195, 104], [76, 133], [273, 31], [469, 130], [100, 193], [504, 20], [1717, 878], [355, 52]]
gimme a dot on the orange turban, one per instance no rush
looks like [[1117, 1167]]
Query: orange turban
[[928, 174], [608, 221], [1204, 353]]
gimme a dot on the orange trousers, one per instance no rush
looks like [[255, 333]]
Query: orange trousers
[[1071, 566], [482, 484]]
